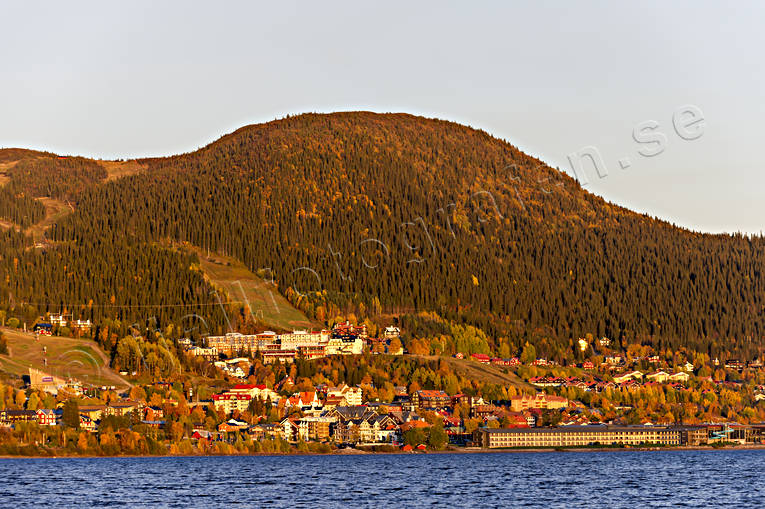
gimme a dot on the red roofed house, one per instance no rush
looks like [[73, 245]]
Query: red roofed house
[[517, 420], [46, 417], [201, 434], [481, 357], [229, 402], [431, 399], [255, 391], [412, 425], [240, 396], [306, 401], [232, 426]]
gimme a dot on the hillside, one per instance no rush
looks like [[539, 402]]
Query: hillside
[[66, 358], [255, 294], [369, 213], [481, 373]]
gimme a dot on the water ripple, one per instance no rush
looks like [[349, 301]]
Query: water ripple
[[555, 480]]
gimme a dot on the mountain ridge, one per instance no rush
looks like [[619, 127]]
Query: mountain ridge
[[11, 155], [359, 212]]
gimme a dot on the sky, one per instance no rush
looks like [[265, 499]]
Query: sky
[[556, 79]]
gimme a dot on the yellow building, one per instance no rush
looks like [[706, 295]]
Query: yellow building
[[578, 436], [539, 400]]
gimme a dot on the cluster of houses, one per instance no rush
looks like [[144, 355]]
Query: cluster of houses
[[344, 339], [526, 410], [90, 415], [511, 362], [617, 362], [240, 396], [737, 365], [337, 414], [43, 417], [485, 359], [238, 367], [610, 362], [45, 327], [53, 385], [629, 380], [325, 414]]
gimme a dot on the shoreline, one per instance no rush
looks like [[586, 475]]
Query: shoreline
[[360, 452]]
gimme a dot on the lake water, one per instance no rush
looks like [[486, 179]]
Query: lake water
[[600, 479]]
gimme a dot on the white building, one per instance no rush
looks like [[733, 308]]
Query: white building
[[298, 338], [58, 320], [351, 395], [391, 332], [341, 346], [82, 324], [240, 396]]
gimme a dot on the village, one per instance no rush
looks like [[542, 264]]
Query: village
[[556, 413], [340, 417], [344, 339]]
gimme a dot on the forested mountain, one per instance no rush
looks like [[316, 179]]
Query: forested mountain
[[371, 213]]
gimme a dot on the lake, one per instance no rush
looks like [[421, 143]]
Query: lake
[[621, 479]]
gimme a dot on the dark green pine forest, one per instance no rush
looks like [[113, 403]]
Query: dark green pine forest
[[375, 215]]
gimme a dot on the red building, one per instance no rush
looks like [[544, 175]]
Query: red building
[[481, 357], [433, 399], [46, 417]]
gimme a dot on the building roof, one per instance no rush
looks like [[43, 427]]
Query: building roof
[[585, 428], [20, 412], [432, 394], [414, 424]]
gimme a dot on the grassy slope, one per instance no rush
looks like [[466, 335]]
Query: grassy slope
[[482, 372], [54, 211], [114, 169], [241, 285], [4, 179], [67, 358], [118, 169]]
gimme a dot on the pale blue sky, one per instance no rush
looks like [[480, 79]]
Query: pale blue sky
[[155, 78]]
